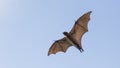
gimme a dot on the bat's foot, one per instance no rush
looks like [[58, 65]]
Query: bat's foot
[[81, 50]]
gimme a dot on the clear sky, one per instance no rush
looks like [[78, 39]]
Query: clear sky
[[29, 27]]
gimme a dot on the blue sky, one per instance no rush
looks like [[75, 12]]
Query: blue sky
[[29, 27]]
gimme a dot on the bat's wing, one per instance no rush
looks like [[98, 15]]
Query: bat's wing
[[79, 28], [59, 45]]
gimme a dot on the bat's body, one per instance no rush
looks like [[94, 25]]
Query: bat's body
[[72, 42], [73, 37]]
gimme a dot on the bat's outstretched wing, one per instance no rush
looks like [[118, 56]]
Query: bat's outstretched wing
[[80, 27], [73, 37], [59, 45]]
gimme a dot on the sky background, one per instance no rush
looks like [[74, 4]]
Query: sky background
[[29, 27]]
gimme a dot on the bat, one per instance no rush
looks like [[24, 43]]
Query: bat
[[73, 38]]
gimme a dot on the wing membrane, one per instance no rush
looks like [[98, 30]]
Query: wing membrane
[[59, 45], [80, 27]]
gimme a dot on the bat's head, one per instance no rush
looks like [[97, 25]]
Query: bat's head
[[65, 33]]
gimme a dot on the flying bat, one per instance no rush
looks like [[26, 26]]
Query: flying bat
[[73, 38]]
